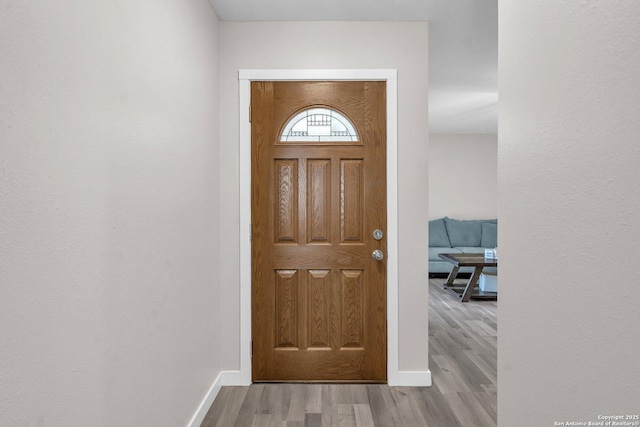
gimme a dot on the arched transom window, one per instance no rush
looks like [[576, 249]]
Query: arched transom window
[[318, 125]]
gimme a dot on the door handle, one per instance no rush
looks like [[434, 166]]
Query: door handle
[[378, 255]]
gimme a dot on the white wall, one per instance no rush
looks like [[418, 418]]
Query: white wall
[[109, 211], [326, 45], [569, 204], [463, 176]]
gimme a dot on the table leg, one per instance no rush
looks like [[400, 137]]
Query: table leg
[[473, 280], [452, 276]]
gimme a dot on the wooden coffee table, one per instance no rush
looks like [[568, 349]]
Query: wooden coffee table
[[478, 261]]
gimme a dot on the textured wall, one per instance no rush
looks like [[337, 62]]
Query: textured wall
[[108, 211], [463, 176], [358, 45], [569, 206]]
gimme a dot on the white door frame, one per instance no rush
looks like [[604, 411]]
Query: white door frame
[[390, 77]]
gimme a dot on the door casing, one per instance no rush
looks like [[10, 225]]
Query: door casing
[[390, 77]]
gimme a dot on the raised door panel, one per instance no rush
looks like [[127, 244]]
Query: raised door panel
[[286, 325], [351, 200], [351, 287], [286, 206], [318, 311], [318, 200]]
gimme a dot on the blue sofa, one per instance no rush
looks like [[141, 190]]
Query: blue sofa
[[448, 235]]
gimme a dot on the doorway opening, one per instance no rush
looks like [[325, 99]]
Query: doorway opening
[[388, 76]]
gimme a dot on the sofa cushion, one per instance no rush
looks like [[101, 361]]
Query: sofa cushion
[[470, 249], [463, 232], [434, 251], [438, 233], [489, 235]]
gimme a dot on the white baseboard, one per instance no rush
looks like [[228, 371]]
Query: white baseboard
[[223, 378], [414, 378]]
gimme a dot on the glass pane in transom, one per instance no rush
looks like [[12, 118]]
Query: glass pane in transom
[[319, 125]]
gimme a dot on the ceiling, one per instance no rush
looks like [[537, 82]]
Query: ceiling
[[463, 48]]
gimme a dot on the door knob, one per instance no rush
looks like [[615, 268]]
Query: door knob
[[378, 255]]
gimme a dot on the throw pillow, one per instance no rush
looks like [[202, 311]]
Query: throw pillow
[[489, 235], [438, 234], [463, 232]]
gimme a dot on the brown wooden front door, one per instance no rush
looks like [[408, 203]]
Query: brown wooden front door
[[318, 193]]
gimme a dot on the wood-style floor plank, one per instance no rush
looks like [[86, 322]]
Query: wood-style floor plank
[[249, 406], [462, 360], [364, 418], [436, 408], [226, 407]]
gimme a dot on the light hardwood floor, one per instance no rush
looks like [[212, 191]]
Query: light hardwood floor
[[462, 360]]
